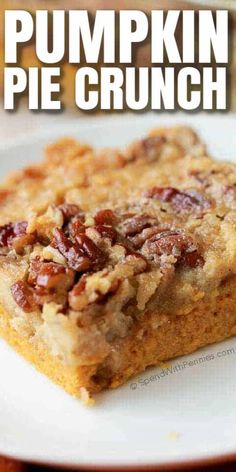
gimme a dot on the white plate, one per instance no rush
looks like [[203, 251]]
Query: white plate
[[159, 418]]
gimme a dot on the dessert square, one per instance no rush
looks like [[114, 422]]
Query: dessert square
[[115, 260]]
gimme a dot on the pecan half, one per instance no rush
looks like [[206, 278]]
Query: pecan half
[[177, 244], [180, 201]]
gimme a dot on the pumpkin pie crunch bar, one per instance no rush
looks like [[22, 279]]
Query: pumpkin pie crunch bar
[[112, 261]]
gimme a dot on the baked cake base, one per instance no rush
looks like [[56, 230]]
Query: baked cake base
[[210, 321]]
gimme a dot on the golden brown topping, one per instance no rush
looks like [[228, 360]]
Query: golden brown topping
[[139, 262], [64, 150], [20, 242], [44, 295], [148, 148]]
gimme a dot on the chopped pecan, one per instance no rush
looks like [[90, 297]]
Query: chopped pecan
[[90, 250], [76, 298], [80, 286], [76, 295], [198, 199], [152, 142], [34, 268], [149, 148], [229, 188], [177, 244], [76, 226], [50, 281], [14, 235], [23, 296], [20, 228], [105, 217], [165, 194], [107, 232], [139, 239], [75, 257], [186, 201], [34, 173], [52, 275], [6, 234], [69, 210], [4, 194], [192, 259], [136, 224], [229, 193]]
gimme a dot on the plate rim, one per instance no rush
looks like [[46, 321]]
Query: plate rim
[[202, 460], [165, 466]]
